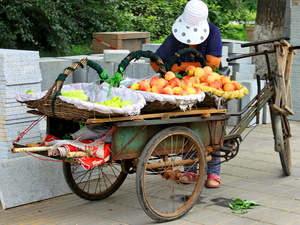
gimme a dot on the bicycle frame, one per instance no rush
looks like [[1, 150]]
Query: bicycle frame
[[269, 94]]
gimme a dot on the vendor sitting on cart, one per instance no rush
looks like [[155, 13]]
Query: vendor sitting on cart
[[191, 30]]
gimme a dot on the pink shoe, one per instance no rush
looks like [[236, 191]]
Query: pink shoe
[[209, 182], [188, 177]]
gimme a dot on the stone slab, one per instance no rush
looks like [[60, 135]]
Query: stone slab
[[87, 74], [115, 55], [14, 113], [26, 179], [233, 106], [21, 77], [150, 47], [252, 87], [8, 93], [9, 132], [235, 46], [224, 62], [243, 68], [225, 51], [242, 76], [51, 68], [13, 55]]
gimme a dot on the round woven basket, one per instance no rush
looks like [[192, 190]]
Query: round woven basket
[[212, 101], [51, 105], [158, 107]]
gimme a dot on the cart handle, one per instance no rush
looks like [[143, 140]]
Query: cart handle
[[175, 58], [137, 55], [56, 87]]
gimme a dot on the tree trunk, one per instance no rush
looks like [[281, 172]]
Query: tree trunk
[[269, 24]]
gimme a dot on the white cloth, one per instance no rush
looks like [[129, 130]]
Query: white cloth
[[96, 93]]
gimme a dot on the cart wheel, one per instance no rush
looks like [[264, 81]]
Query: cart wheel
[[281, 129], [94, 184], [168, 154]]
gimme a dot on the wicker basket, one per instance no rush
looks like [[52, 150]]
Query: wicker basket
[[212, 101], [158, 107], [53, 105]]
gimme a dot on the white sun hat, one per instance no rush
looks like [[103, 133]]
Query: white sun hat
[[192, 27]]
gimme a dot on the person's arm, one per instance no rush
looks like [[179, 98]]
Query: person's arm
[[214, 47], [213, 61]]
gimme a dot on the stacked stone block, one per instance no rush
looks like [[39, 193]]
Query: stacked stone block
[[241, 70], [24, 179], [19, 72]]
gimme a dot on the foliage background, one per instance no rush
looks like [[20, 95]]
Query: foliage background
[[61, 26]]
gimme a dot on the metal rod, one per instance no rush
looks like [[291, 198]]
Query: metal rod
[[172, 163]]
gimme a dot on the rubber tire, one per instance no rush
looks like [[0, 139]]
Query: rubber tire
[[196, 189], [281, 129], [285, 156], [96, 176]]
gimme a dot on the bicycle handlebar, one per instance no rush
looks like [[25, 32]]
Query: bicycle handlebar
[[263, 42]]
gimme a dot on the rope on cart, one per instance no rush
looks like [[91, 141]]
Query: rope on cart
[[20, 135], [51, 160]]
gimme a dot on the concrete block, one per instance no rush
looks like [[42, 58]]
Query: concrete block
[[109, 67], [243, 68], [13, 55], [141, 69], [225, 51], [97, 55], [224, 62], [241, 76], [252, 87], [8, 93], [235, 47], [150, 47], [233, 106], [115, 55], [74, 58], [26, 179], [88, 74], [13, 113], [247, 60], [231, 70], [9, 132], [15, 66], [21, 77], [129, 71], [18, 67], [51, 68]]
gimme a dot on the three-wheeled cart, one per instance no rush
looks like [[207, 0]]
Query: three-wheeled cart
[[159, 146]]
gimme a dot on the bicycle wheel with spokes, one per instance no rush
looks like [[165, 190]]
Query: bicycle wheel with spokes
[[166, 157], [94, 184], [285, 155], [281, 130]]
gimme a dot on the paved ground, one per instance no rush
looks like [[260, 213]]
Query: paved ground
[[255, 174]]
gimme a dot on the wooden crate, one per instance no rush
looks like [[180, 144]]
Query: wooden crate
[[126, 40]]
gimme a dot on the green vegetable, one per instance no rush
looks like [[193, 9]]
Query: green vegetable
[[239, 206]]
